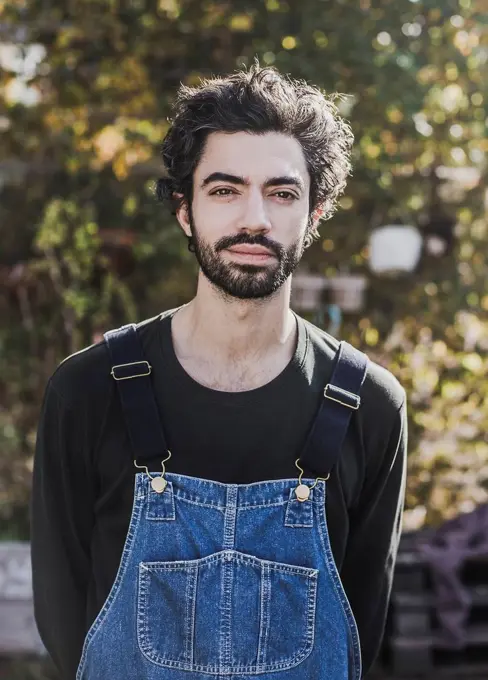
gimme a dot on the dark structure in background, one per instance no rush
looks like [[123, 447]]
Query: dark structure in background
[[438, 618]]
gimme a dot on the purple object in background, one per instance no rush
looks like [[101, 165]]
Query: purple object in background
[[446, 551]]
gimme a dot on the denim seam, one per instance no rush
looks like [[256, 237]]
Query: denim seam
[[234, 670], [249, 506], [265, 598], [271, 504], [189, 613], [342, 599], [230, 518], [200, 504], [194, 614], [114, 591], [141, 610], [237, 557], [226, 629], [312, 598]]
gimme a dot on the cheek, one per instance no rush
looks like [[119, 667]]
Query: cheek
[[293, 222], [212, 217]]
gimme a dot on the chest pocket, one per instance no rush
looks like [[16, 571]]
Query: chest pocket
[[226, 613]]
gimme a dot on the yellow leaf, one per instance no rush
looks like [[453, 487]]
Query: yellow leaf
[[289, 42], [453, 390], [473, 362], [120, 167], [241, 22], [170, 7], [371, 337], [108, 142], [394, 115]]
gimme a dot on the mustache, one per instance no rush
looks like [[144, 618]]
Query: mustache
[[246, 239]]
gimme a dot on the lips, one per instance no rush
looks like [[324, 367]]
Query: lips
[[251, 250]]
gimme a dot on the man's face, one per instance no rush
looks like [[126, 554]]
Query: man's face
[[250, 212]]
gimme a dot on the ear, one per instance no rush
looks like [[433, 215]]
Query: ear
[[182, 214]]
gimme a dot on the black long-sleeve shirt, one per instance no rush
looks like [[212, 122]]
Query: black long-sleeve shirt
[[84, 473]]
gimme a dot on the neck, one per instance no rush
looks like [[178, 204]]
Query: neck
[[224, 328]]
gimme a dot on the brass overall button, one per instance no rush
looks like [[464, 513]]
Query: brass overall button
[[302, 492], [158, 484]]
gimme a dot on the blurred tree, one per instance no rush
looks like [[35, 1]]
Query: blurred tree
[[85, 89]]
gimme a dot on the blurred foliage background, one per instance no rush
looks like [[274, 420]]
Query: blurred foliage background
[[85, 92]]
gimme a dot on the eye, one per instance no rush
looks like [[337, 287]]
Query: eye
[[222, 192], [286, 195]]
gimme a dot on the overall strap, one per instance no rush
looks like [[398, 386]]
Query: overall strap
[[132, 373], [341, 400]]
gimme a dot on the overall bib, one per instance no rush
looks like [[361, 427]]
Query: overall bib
[[230, 581]]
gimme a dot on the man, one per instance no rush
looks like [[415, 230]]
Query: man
[[218, 490]]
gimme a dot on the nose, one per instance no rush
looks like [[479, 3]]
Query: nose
[[255, 217]]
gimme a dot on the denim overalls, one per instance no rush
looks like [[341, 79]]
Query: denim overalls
[[230, 581]]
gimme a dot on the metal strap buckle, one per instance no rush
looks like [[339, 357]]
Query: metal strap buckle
[[134, 363], [349, 399]]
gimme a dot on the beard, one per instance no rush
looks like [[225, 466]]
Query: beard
[[246, 281]]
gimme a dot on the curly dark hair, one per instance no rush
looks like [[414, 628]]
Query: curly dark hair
[[258, 100]]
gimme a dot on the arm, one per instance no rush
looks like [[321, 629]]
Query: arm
[[375, 528], [61, 521]]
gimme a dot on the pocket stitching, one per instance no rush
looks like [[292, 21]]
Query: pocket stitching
[[156, 657], [191, 590], [238, 557], [264, 622]]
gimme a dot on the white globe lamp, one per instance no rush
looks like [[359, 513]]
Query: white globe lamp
[[395, 249]]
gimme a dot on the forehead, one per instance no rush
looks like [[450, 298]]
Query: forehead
[[252, 156]]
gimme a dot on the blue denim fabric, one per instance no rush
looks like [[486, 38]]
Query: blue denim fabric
[[224, 581]]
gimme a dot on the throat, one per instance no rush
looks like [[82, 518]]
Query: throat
[[232, 361], [234, 375]]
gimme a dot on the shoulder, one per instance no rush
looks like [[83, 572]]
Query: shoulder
[[381, 394], [377, 437], [84, 378]]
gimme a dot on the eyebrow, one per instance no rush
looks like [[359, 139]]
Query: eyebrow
[[235, 179]]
